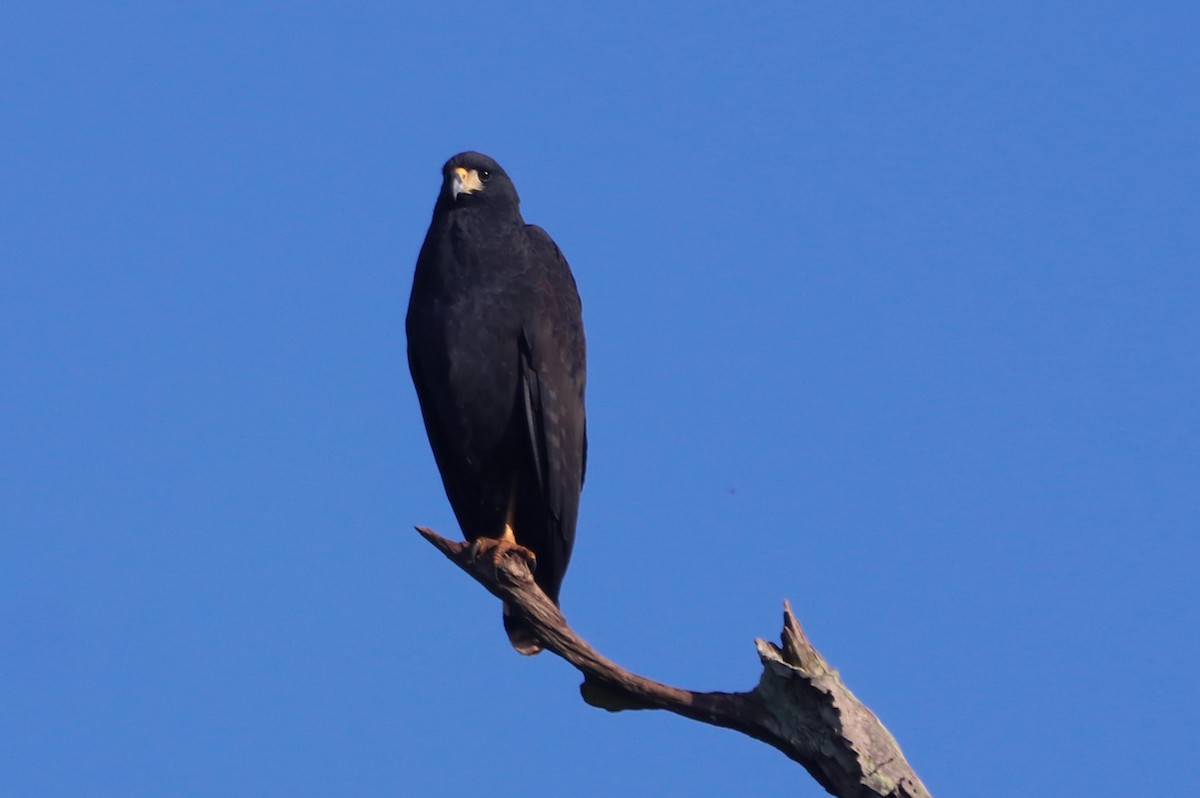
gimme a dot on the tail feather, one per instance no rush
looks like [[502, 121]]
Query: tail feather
[[520, 634]]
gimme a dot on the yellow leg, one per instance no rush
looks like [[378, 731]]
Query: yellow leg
[[508, 533]]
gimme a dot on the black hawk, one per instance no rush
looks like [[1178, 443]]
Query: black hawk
[[496, 350]]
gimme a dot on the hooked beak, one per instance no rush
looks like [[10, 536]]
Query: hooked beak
[[464, 181]]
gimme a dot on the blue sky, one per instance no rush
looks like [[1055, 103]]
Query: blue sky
[[892, 311]]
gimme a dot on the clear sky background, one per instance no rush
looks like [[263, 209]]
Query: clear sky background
[[893, 311]]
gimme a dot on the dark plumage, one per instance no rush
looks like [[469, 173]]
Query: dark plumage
[[496, 350]]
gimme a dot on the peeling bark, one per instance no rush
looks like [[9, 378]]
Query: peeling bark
[[799, 706]]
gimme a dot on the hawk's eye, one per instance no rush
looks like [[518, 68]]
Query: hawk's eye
[[484, 175]]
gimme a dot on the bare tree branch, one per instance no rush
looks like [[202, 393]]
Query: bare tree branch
[[799, 706]]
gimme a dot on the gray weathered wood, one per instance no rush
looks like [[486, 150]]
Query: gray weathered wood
[[799, 706]]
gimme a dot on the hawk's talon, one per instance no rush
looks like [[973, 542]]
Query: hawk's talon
[[496, 549]]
